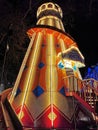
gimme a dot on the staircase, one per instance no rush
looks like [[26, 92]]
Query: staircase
[[90, 97], [85, 89], [90, 92]]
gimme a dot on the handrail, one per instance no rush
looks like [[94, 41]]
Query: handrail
[[87, 89], [92, 83]]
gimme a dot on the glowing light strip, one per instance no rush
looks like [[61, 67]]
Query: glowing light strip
[[21, 70], [48, 17], [32, 68], [51, 82], [66, 51]]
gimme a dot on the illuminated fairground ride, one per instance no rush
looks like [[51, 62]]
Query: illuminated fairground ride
[[49, 92]]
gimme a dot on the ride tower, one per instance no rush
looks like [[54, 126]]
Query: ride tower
[[46, 91]]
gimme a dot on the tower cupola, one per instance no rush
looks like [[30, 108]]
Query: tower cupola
[[50, 14]]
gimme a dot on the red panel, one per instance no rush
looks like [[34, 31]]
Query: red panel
[[44, 121], [26, 118], [58, 122]]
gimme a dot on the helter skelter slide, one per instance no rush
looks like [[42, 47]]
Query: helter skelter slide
[[49, 92]]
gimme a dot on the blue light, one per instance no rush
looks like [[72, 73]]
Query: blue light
[[38, 91], [60, 65], [92, 72], [74, 67]]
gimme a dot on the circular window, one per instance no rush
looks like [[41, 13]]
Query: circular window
[[43, 7], [50, 5]]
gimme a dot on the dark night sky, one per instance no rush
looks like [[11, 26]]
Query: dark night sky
[[80, 18]]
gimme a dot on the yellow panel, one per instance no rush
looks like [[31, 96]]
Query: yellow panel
[[37, 105]]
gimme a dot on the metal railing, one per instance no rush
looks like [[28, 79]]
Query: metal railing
[[87, 89]]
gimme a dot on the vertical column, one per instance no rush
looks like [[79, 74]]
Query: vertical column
[[62, 45], [51, 73], [63, 48], [33, 62], [31, 70]]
